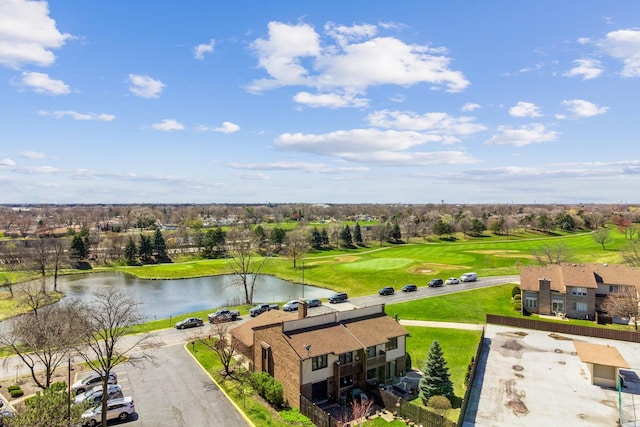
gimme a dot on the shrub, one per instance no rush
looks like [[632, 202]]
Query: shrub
[[467, 375], [16, 393], [268, 387], [58, 386], [517, 297], [13, 387], [515, 291], [439, 404], [407, 361], [517, 307]]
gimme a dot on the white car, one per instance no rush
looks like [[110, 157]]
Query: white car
[[452, 281], [94, 395], [91, 381], [291, 305], [120, 409]]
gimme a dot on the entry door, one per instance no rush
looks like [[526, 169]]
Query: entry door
[[557, 307], [319, 391]]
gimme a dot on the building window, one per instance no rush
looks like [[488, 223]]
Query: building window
[[580, 306], [392, 344], [614, 289], [371, 374], [319, 362], [371, 352], [346, 357], [391, 370], [530, 299], [579, 292]]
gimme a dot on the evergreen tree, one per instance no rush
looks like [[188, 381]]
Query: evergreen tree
[[277, 237], [159, 245], [316, 239], [145, 250], [396, 235], [131, 252], [435, 379], [78, 249], [325, 237], [345, 236], [477, 226], [357, 234]]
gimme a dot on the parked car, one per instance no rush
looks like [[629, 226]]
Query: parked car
[[261, 308], [435, 283], [91, 381], [409, 288], [314, 303], [338, 297], [387, 290], [94, 395], [223, 315], [469, 277], [452, 281], [291, 305], [191, 322], [120, 409]]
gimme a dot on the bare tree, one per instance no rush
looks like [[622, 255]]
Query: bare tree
[[244, 261], [623, 304], [552, 254], [357, 413], [43, 339], [14, 258], [220, 342], [106, 321], [34, 297], [602, 236], [631, 254], [297, 244]]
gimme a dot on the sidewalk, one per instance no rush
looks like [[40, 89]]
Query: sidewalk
[[446, 325]]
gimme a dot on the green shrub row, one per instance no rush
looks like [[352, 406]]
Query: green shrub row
[[268, 387]]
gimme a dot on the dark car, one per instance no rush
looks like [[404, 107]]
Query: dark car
[[339, 297], [314, 302], [409, 288], [190, 322], [435, 283], [387, 290]]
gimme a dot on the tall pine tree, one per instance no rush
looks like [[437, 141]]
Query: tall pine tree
[[435, 379], [357, 234]]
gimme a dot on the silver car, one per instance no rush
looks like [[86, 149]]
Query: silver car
[[94, 395], [91, 381], [120, 409], [291, 305]]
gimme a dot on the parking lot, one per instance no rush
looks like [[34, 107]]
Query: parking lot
[[535, 378]]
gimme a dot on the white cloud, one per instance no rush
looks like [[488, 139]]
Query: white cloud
[[27, 154], [355, 140], [525, 109], [625, 46], [331, 100], [28, 34], [7, 163], [227, 127], [202, 49], [470, 106], [282, 166], [412, 158], [168, 125], [59, 114], [42, 83], [356, 62], [524, 135], [344, 34], [436, 123], [586, 68], [145, 86], [582, 108]]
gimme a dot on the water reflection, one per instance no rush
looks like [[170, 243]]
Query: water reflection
[[164, 298]]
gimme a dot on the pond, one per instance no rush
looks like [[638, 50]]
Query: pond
[[167, 298]]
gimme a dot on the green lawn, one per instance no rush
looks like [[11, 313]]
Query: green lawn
[[462, 307]]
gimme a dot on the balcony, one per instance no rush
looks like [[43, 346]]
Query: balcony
[[374, 362], [352, 368]]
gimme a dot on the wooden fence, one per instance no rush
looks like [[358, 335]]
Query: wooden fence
[[415, 413], [564, 328], [317, 415]]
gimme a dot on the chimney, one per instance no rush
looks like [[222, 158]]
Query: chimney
[[302, 309]]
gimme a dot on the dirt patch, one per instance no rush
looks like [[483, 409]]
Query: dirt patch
[[347, 258], [29, 387], [431, 268]]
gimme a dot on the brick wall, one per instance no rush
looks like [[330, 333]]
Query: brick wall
[[544, 296], [286, 363]]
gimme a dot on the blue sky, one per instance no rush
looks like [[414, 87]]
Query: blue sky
[[319, 102]]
